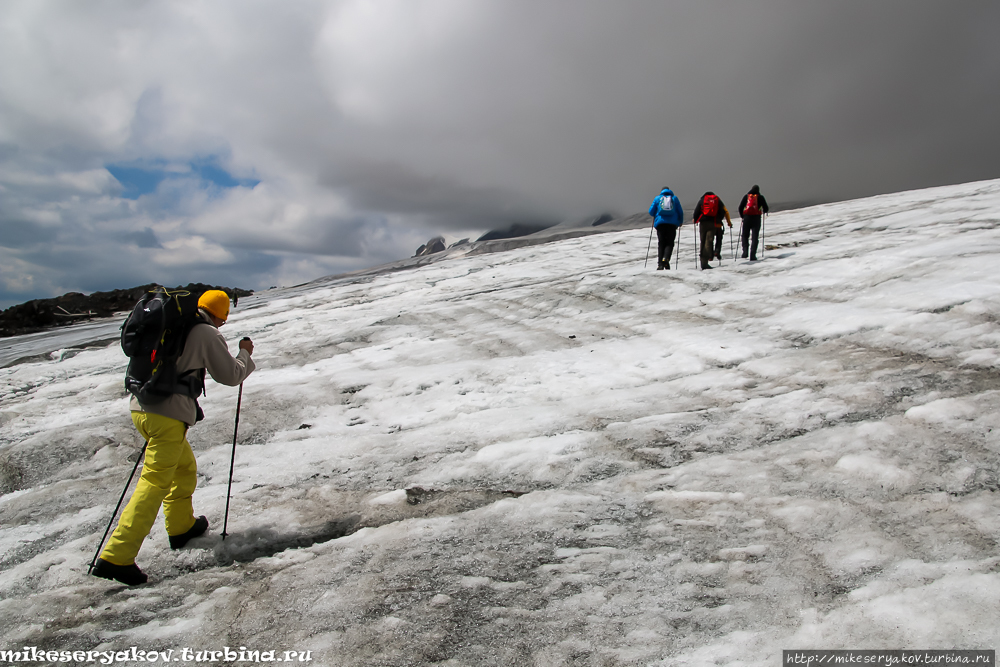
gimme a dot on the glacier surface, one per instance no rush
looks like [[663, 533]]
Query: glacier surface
[[557, 456]]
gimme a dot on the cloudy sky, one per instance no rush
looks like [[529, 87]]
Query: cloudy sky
[[251, 144]]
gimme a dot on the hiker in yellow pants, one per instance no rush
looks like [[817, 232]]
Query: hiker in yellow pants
[[169, 473]]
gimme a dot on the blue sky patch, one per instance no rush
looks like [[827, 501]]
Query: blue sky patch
[[139, 179], [136, 181]]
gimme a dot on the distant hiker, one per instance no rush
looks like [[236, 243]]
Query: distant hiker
[[169, 472], [667, 217], [720, 231], [708, 213], [236, 299], [752, 207]]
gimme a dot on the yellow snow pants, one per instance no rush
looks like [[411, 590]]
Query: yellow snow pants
[[169, 475]]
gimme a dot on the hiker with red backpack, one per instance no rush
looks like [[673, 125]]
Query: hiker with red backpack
[[667, 217], [752, 207], [169, 472], [708, 214]]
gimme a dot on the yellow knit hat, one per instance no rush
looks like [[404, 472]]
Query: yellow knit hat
[[216, 302]]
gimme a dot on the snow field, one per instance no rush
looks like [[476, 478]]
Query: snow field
[[554, 456]]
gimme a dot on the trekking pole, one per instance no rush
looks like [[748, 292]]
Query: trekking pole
[[732, 250], [741, 236], [650, 244], [100, 546], [677, 262], [232, 460], [762, 235], [697, 248]]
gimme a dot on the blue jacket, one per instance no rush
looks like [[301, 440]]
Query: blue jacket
[[674, 216]]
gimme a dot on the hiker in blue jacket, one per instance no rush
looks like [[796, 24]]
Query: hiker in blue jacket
[[667, 217]]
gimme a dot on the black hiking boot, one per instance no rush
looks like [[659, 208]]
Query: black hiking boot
[[659, 266], [707, 266], [753, 259], [197, 530], [130, 575], [744, 255]]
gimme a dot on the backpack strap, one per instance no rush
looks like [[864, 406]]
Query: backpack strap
[[191, 383]]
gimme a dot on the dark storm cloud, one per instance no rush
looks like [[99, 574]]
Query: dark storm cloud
[[24, 233], [442, 203], [595, 106], [322, 136], [144, 239], [850, 99]]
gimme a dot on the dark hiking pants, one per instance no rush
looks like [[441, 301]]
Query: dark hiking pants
[[751, 227], [665, 234], [719, 233], [707, 242]]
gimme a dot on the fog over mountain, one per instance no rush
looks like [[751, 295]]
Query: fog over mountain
[[256, 143]]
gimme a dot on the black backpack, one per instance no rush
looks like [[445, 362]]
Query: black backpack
[[153, 337]]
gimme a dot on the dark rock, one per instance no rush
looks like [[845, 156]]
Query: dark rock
[[436, 244], [41, 314]]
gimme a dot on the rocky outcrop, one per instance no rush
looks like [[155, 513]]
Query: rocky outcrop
[[436, 244], [41, 314]]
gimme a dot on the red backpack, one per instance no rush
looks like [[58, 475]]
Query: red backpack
[[751, 208], [710, 206]]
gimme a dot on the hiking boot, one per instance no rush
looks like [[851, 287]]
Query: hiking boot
[[659, 266], [666, 265], [752, 258], [197, 530], [707, 266], [744, 255], [718, 256], [130, 575]]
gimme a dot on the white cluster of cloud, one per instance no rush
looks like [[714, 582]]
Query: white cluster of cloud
[[256, 143]]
